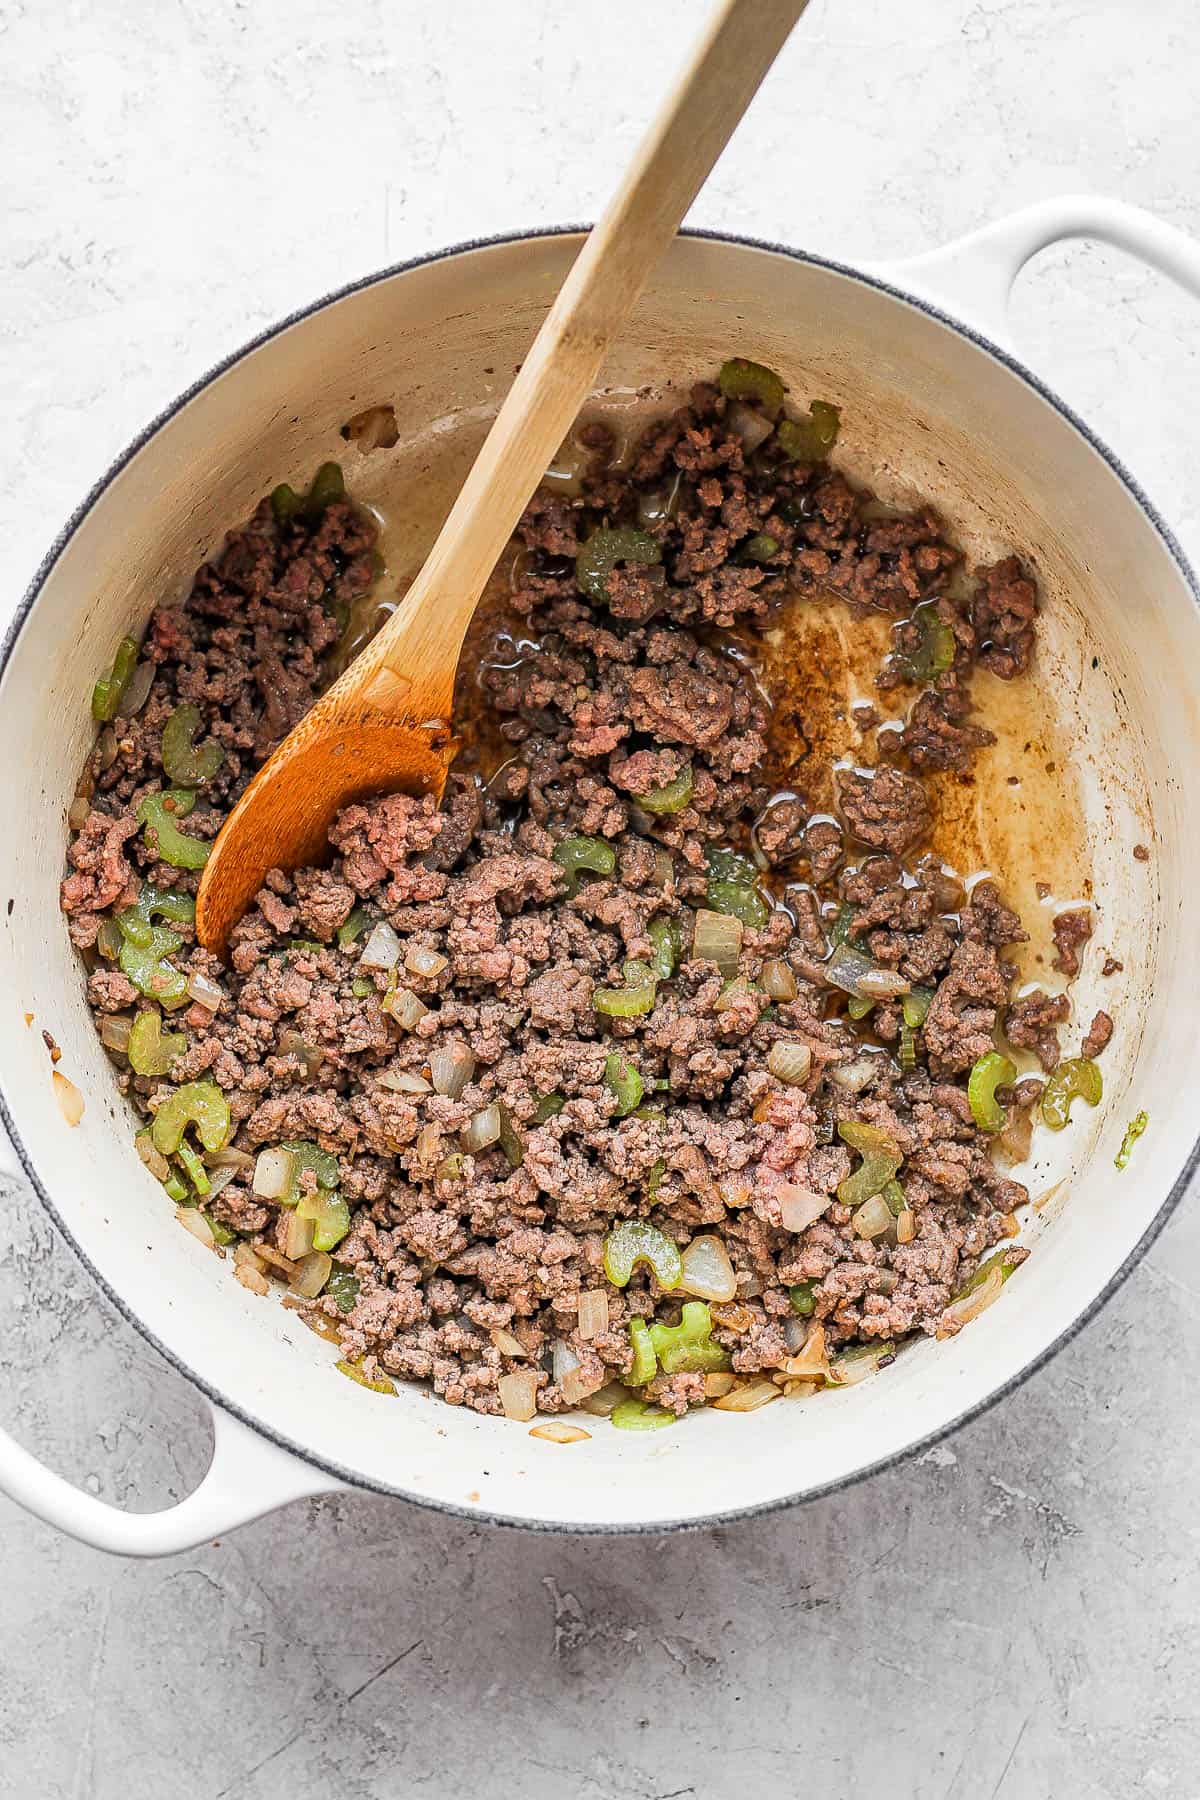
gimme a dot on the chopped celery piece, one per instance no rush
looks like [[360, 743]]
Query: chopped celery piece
[[379, 1384], [590, 853], [602, 552], [623, 1082], [1078, 1078], [880, 1159], [198, 1103], [157, 814], [689, 1346], [193, 1168], [343, 1287], [645, 1362], [634, 1241], [548, 1107], [353, 927], [308, 1159], [150, 974], [989, 1073], [935, 646], [330, 1216], [137, 921], [635, 998], [188, 764], [761, 547], [671, 798], [639, 1415], [739, 902], [667, 937], [811, 439], [151, 1049], [802, 1299], [1133, 1132], [327, 485], [741, 379], [109, 691]]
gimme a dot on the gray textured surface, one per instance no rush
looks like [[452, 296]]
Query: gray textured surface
[[1013, 1615]]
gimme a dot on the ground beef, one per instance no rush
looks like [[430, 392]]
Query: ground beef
[[1030, 1025], [1071, 931], [886, 809], [1099, 1034], [1003, 610], [617, 1094]]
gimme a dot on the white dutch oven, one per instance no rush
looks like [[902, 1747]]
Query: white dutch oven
[[940, 411]]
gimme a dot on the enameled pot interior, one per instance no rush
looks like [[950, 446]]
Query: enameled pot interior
[[926, 412]]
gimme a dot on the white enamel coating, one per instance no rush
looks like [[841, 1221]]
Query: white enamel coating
[[928, 411]]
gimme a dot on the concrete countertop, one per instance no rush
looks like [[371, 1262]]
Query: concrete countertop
[[1015, 1613]]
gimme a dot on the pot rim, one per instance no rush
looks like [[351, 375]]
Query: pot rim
[[476, 1515]]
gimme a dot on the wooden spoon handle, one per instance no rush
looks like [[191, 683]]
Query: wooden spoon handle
[[692, 128]]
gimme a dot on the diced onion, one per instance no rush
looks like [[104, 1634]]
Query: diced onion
[[420, 960], [854, 1366], [800, 1207], [483, 1129], [252, 1278], [906, 1225], [229, 1158], [297, 1235], [114, 1033], [405, 1008], [799, 1390], [858, 1074], [873, 1217], [193, 1220], [507, 1344], [735, 1191], [374, 428], [718, 1382], [728, 998], [748, 425], [312, 1272], [790, 1063], [882, 984], [707, 1270], [794, 1333], [311, 1055], [593, 1311], [205, 993], [404, 1081], [605, 1400], [273, 1173], [718, 939], [961, 1312], [275, 1259], [70, 1100], [382, 948], [78, 812], [154, 1159], [777, 979], [220, 1178], [246, 1255], [557, 1431], [812, 1361], [748, 1398], [573, 1384], [137, 690], [518, 1394], [451, 1067], [853, 971]]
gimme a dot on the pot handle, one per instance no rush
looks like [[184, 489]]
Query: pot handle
[[247, 1477], [973, 276]]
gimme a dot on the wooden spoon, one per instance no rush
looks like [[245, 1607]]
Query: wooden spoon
[[384, 724]]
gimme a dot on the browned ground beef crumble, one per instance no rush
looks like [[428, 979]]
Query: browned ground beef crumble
[[607, 703]]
